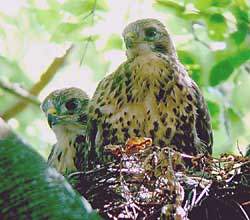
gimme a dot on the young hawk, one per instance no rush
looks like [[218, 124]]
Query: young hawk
[[149, 95], [66, 113]]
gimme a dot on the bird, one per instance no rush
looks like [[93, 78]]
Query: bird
[[66, 112], [149, 95]]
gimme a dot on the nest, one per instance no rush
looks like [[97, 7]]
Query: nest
[[145, 181]]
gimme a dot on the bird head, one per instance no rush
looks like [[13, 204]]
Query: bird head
[[145, 36], [66, 109]]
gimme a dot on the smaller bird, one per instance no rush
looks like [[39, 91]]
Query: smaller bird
[[66, 113]]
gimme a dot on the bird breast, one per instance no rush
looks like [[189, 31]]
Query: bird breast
[[145, 101]]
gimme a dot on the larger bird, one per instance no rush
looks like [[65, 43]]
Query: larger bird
[[66, 111], [149, 95]]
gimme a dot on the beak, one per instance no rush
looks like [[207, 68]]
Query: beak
[[51, 111], [52, 118], [130, 39]]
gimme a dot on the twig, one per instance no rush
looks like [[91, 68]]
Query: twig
[[92, 12], [197, 38], [205, 191], [16, 90], [243, 211], [238, 148], [38, 87]]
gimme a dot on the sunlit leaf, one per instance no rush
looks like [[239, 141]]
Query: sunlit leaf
[[49, 19], [114, 42], [177, 7], [186, 57], [236, 122], [190, 62], [202, 4], [214, 109], [66, 31], [80, 7], [217, 26], [11, 70]]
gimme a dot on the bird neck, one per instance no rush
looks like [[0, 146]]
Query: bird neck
[[67, 139], [65, 134]]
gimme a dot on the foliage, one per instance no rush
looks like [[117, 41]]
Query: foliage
[[212, 38], [29, 189]]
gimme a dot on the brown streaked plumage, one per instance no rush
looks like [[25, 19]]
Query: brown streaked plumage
[[149, 95]]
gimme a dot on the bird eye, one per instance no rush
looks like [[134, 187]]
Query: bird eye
[[150, 33], [72, 104]]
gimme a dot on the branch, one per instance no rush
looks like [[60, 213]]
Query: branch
[[92, 12], [39, 86], [18, 91], [196, 38]]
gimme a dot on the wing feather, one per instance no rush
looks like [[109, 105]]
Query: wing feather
[[203, 120]]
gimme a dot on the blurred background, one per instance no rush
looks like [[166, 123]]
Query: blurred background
[[51, 44]]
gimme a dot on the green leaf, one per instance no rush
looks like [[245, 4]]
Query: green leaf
[[80, 7], [2, 32], [223, 69], [68, 31], [114, 42], [236, 122], [240, 58], [214, 109], [49, 19], [202, 4], [242, 25], [33, 188], [190, 62], [177, 7], [240, 35], [240, 14], [217, 26], [11, 70], [221, 3], [186, 57]]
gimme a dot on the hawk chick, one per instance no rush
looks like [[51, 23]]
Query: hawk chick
[[149, 95], [66, 113]]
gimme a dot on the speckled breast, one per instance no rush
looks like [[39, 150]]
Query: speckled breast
[[151, 99]]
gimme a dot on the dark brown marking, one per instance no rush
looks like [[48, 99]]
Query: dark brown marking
[[137, 132], [189, 97], [168, 133], [160, 95], [189, 108], [179, 86], [152, 133], [83, 118], [156, 126], [161, 143], [80, 139]]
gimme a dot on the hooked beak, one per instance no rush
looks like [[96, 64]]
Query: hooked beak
[[52, 118], [130, 39]]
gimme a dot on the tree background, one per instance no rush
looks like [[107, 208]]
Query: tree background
[[51, 44]]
